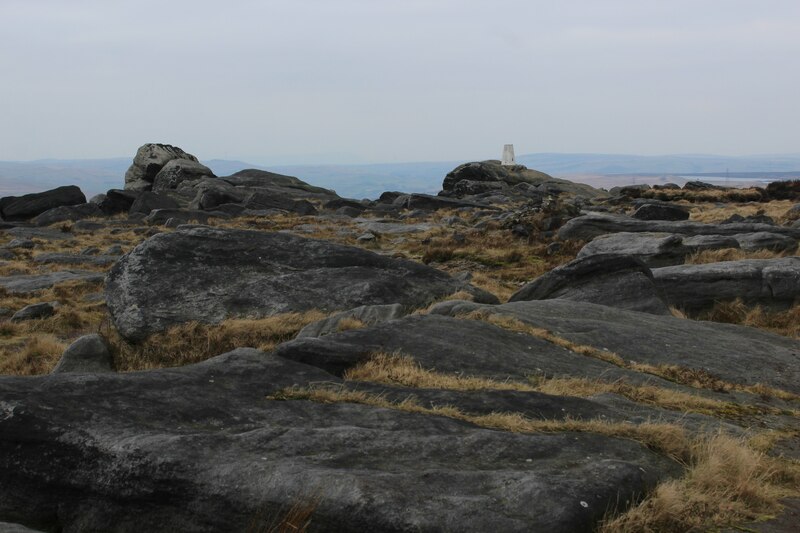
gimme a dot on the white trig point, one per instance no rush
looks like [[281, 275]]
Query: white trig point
[[508, 155]]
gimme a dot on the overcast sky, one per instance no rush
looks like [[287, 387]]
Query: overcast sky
[[300, 81]]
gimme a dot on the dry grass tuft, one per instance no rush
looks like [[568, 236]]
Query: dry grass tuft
[[292, 519], [727, 482], [715, 213], [397, 369], [669, 439], [36, 354], [731, 254], [786, 323], [348, 323], [194, 342]]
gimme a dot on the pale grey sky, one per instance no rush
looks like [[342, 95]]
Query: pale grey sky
[[297, 81]]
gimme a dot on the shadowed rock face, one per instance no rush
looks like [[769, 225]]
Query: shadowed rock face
[[621, 281], [30, 205], [201, 448], [205, 274]]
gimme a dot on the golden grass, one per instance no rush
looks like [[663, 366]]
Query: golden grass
[[714, 213], [696, 378], [731, 254], [295, 518], [397, 369], [194, 342], [669, 439], [727, 482], [349, 323], [36, 354]]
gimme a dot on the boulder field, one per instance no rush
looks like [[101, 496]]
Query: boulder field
[[420, 401]]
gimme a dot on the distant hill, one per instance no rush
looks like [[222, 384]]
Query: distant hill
[[369, 181]]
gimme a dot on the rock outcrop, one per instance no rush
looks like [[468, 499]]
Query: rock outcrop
[[620, 281], [591, 225], [148, 162], [206, 274], [490, 176], [202, 448], [774, 283]]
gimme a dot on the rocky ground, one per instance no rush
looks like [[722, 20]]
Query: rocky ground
[[517, 353]]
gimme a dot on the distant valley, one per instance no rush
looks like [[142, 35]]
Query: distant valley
[[94, 176]]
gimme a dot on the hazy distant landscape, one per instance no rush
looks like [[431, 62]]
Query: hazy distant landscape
[[94, 176]]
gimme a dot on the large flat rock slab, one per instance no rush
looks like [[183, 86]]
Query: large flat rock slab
[[201, 448], [774, 283], [591, 225], [207, 274], [736, 354]]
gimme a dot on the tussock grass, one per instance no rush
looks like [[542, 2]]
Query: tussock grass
[[398, 369], [696, 378], [194, 342], [35, 354], [715, 213], [727, 482]]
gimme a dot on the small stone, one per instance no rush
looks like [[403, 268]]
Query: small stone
[[115, 249], [20, 243], [89, 353], [90, 250], [366, 237], [34, 311], [553, 248]]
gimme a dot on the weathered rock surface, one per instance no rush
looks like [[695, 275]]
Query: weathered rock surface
[[591, 225], [736, 354], [34, 282], [88, 354], [148, 162], [774, 283], [177, 171], [765, 240], [75, 259], [200, 448], [367, 314], [492, 172], [621, 281], [67, 213], [653, 249], [206, 274], [427, 202], [30, 205], [280, 185]]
